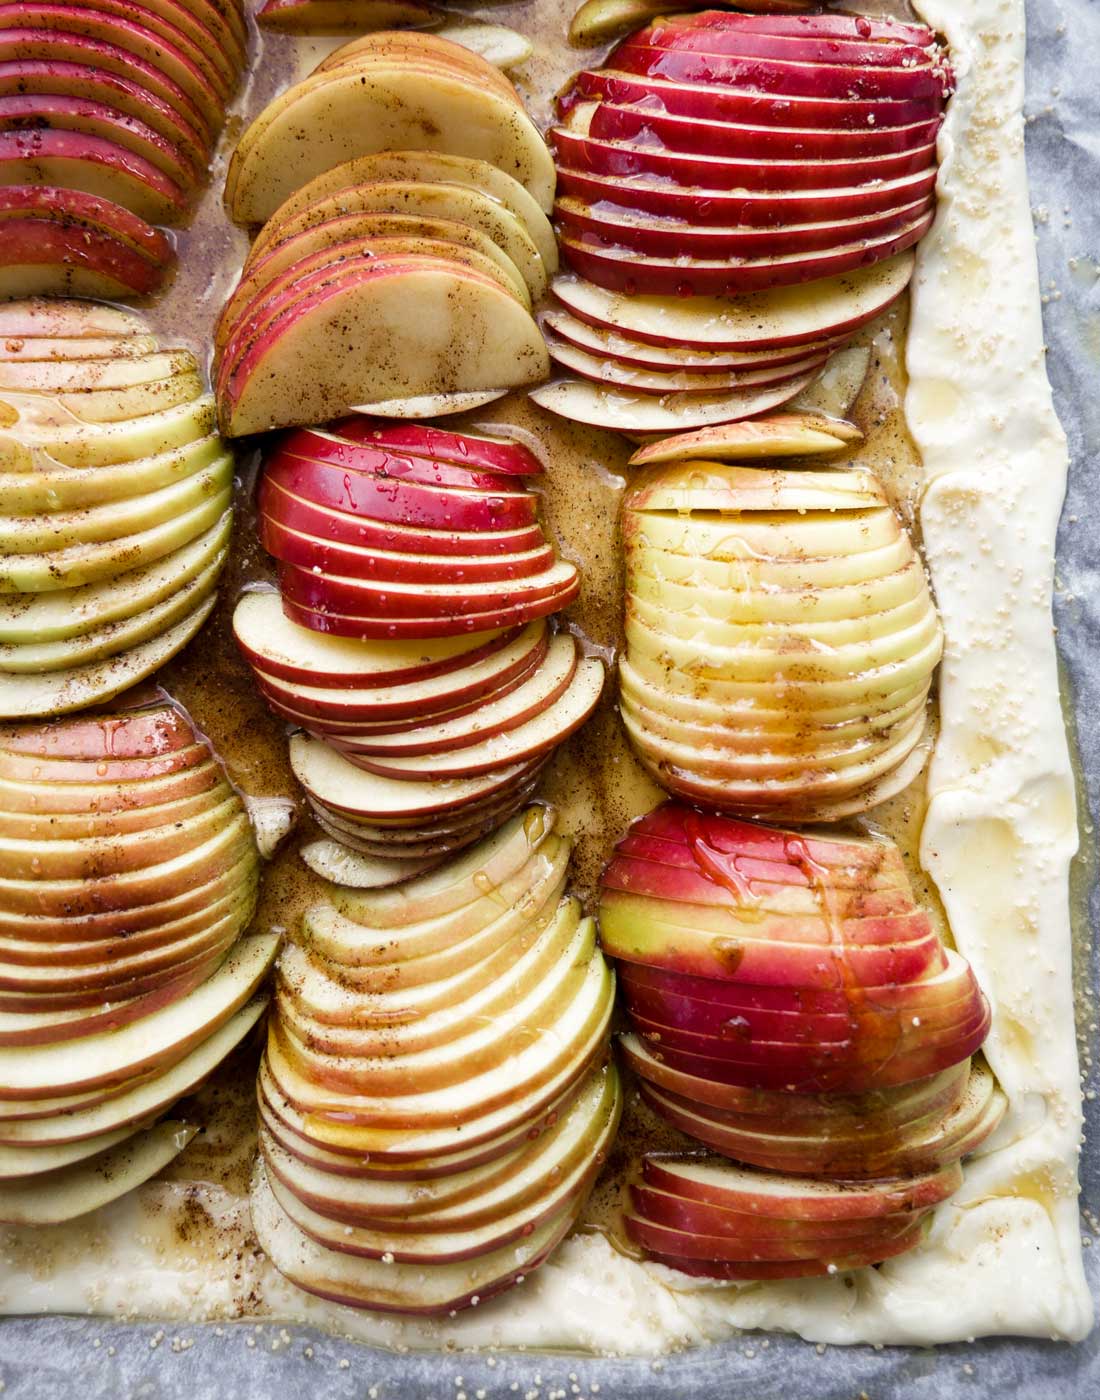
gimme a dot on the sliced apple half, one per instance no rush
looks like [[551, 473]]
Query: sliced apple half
[[424, 168], [469, 335], [322, 122]]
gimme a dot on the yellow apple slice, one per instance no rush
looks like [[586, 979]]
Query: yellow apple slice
[[424, 168], [32, 431], [336, 116]]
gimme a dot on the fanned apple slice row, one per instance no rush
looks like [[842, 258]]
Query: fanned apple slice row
[[111, 1058], [383, 330], [344, 1278], [341, 114], [73, 1191], [417, 168], [784, 316], [627, 379], [63, 692], [135, 1105]]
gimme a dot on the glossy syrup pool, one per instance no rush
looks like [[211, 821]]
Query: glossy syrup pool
[[593, 780]]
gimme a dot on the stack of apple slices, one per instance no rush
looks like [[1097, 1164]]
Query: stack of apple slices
[[412, 639], [117, 500], [780, 639], [736, 196], [128, 874], [109, 114], [436, 1099], [363, 291], [794, 1010]]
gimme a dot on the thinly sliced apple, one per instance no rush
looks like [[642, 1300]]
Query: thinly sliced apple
[[135, 1105], [111, 1058], [781, 317], [395, 1287], [495, 43], [468, 335], [836, 389], [778, 435], [420, 167], [332, 860], [336, 116], [54, 210], [84, 445], [342, 16], [62, 692], [623, 411], [49, 377], [631, 379], [417, 406], [76, 1190], [56, 258], [78, 612], [18, 1163]]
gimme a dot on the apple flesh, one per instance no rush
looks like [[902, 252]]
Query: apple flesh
[[406, 1122]]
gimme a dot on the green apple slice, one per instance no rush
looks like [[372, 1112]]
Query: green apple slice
[[54, 486], [698, 485], [135, 1105], [66, 318], [338, 115], [76, 1190], [67, 348], [82, 375], [76, 612], [114, 519], [93, 562], [62, 692]]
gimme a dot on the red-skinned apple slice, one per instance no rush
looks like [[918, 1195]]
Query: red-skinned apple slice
[[400, 501], [620, 160], [661, 1208], [764, 209], [717, 1258], [112, 1057], [88, 83], [662, 237], [291, 654], [336, 783], [718, 102], [307, 551], [726, 1187], [612, 375], [298, 513], [827, 26], [56, 257], [86, 212], [779, 435], [630, 122], [637, 354], [468, 450], [547, 729], [626, 270], [809, 45], [403, 463], [785, 77], [785, 316], [96, 119], [93, 164]]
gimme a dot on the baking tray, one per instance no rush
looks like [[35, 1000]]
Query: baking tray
[[57, 1358]]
